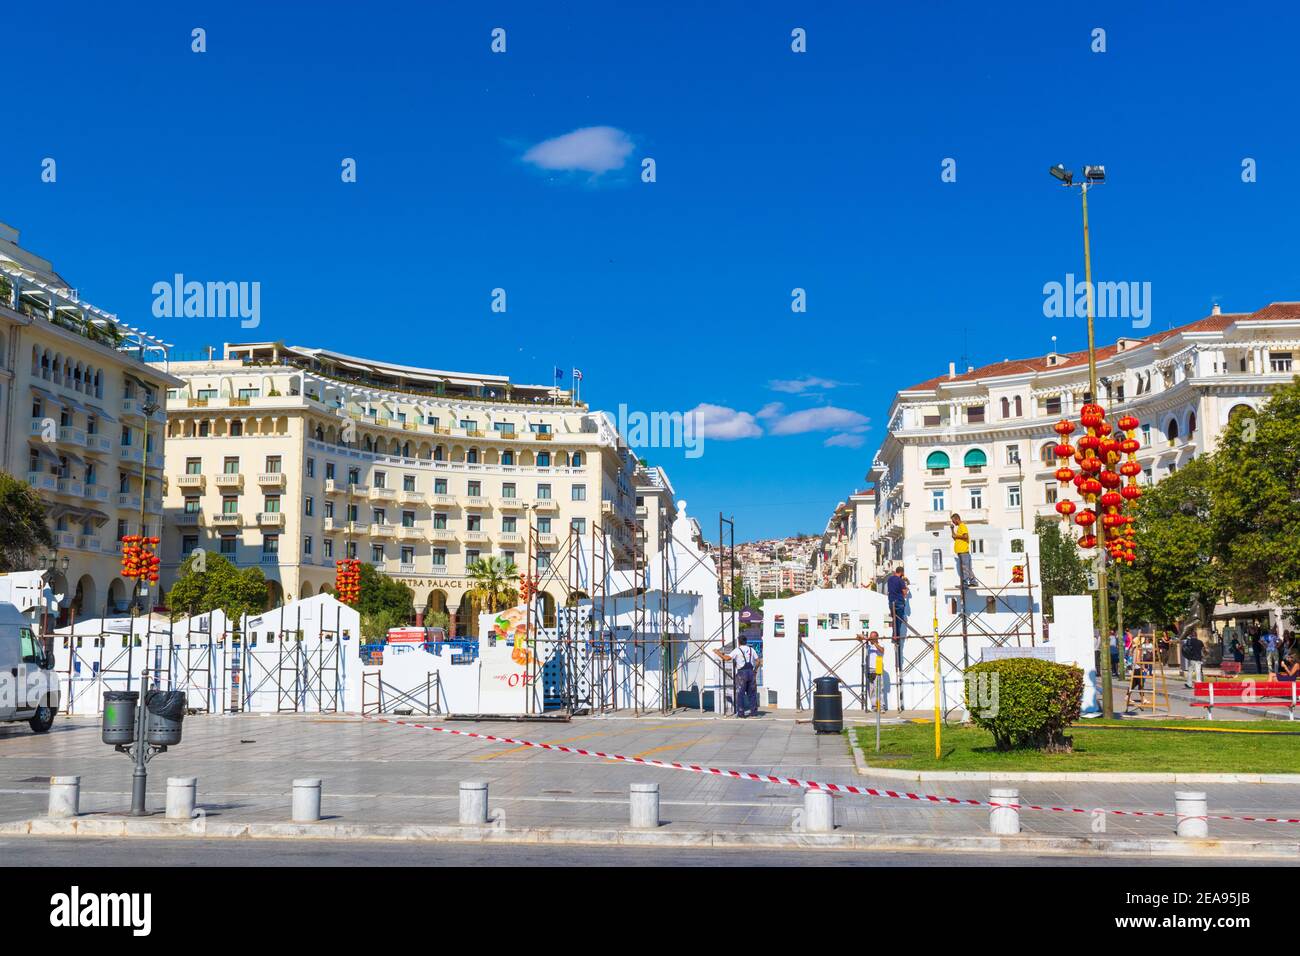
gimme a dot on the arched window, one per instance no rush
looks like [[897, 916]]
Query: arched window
[[1006, 407], [507, 458], [1047, 454], [577, 459], [975, 460], [1019, 413], [1171, 430], [437, 453], [236, 428], [471, 456], [320, 433], [543, 459], [937, 461], [1191, 424]]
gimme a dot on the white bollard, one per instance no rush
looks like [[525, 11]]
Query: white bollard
[[1004, 819], [474, 803], [65, 796], [306, 800], [818, 811], [1192, 809], [644, 799], [181, 793]]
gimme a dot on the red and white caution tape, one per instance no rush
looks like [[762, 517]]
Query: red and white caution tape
[[801, 783]]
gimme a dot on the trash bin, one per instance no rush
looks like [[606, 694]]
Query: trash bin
[[828, 706], [166, 710], [119, 716]]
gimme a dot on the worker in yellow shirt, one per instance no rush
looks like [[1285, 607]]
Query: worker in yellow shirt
[[961, 548]]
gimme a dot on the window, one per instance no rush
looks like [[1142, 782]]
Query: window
[[311, 467], [1053, 405], [188, 543], [230, 466], [543, 492], [205, 429], [271, 544], [273, 464], [503, 428], [207, 393], [1279, 362], [351, 549], [354, 476], [977, 498], [509, 524], [227, 544], [306, 545], [509, 556], [381, 479], [309, 506], [579, 492], [1047, 454], [272, 504], [543, 459], [472, 555], [1146, 436], [193, 466], [475, 489], [237, 428], [1013, 454], [327, 547], [469, 425], [378, 516], [576, 462], [408, 482], [543, 560], [473, 522], [1006, 407], [408, 555], [975, 414], [440, 486], [126, 437], [230, 504], [1049, 493], [440, 520], [1013, 496], [329, 470], [540, 429], [192, 504], [507, 457], [250, 393], [408, 519], [439, 557], [579, 525], [937, 499], [329, 508], [543, 524], [352, 514], [508, 490]]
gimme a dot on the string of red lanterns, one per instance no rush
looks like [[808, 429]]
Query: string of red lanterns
[[347, 580], [139, 557], [1099, 482]]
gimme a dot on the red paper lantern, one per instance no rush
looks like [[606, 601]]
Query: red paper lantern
[[1088, 541], [1064, 475], [1128, 423], [1064, 427], [1084, 518], [1092, 415], [1065, 508], [1064, 451], [1090, 486], [1131, 492], [1109, 479]]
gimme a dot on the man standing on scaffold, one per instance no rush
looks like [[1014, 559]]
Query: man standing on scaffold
[[961, 549]]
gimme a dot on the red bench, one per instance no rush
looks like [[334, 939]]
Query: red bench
[[1230, 668], [1245, 693]]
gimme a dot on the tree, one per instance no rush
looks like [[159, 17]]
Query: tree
[[376, 625], [1175, 550], [381, 595], [1256, 487], [494, 583], [235, 591], [1060, 565], [24, 530]]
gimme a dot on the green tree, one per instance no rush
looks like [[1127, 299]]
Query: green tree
[[1175, 548], [375, 626], [24, 530], [1256, 515], [494, 583], [221, 585], [380, 594], [1062, 568]]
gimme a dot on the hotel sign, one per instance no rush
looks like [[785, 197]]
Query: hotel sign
[[431, 582]]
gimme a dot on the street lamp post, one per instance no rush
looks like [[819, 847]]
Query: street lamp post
[[1093, 176]]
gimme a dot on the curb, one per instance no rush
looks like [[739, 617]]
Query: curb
[[133, 828], [920, 776]]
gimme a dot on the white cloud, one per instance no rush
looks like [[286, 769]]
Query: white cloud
[[795, 386], [720, 423], [770, 410], [845, 440], [822, 418], [592, 149]]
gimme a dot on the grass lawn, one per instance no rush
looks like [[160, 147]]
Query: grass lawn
[[1131, 746]]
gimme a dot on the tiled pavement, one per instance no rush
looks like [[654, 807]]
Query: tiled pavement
[[385, 774]]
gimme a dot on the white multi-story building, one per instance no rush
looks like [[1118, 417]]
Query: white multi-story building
[[292, 458], [82, 423], [846, 556], [979, 442]]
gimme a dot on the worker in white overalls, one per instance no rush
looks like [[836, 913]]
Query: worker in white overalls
[[746, 662]]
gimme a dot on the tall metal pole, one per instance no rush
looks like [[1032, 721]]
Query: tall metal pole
[[1103, 665]]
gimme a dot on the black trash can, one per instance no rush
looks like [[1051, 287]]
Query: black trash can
[[166, 710], [119, 716], [828, 706]]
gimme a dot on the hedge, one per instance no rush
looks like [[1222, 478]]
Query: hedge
[[1025, 702]]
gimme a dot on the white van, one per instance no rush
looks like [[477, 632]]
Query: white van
[[29, 688]]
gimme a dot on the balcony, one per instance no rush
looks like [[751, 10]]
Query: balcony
[[409, 532], [229, 480], [270, 519], [99, 444], [65, 539], [382, 529], [71, 486], [442, 534], [442, 501], [42, 480], [191, 481], [132, 454], [511, 504], [271, 479], [69, 435], [128, 500], [225, 519], [334, 487], [545, 504], [406, 567], [88, 542], [335, 524], [96, 493], [542, 436], [510, 537], [641, 511], [155, 460], [269, 558], [187, 518], [477, 501], [411, 497], [548, 539], [153, 504], [475, 536], [132, 408], [378, 493]]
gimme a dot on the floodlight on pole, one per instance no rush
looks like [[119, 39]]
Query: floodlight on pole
[[1063, 174]]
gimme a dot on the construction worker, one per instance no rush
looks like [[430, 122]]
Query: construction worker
[[746, 663], [961, 548], [874, 650]]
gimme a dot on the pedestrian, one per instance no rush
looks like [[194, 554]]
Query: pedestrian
[[1128, 649], [1193, 652], [896, 594], [1257, 649], [746, 663], [1270, 642], [875, 650], [1236, 651], [961, 549], [1290, 668], [1114, 654]]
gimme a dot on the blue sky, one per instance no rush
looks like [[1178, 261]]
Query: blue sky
[[775, 170]]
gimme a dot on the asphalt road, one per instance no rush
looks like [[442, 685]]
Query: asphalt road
[[82, 851]]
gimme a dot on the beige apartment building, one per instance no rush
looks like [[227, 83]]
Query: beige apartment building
[[980, 442], [83, 423], [846, 556], [291, 458]]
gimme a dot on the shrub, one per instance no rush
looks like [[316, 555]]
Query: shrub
[[1025, 702]]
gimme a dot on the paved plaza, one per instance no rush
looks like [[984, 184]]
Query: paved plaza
[[376, 773]]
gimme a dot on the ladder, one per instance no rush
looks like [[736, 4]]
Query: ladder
[[1147, 690]]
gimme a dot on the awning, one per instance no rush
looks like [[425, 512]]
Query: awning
[[975, 459], [47, 453], [99, 412], [49, 396], [937, 459], [75, 459]]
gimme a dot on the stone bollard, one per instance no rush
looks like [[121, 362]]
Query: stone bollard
[[1004, 820], [181, 792], [1192, 809], [306, 800], [65, 796], [644, 798], [818, 811], [474, 803]]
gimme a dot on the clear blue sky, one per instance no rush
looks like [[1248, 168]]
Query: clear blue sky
[[776, 170]]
